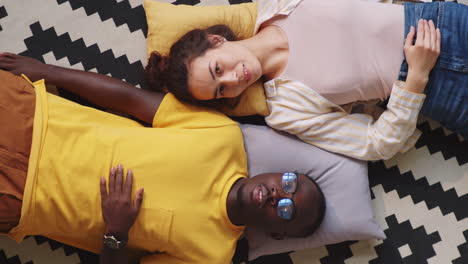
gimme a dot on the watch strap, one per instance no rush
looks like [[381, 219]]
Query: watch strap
[[114, 242]]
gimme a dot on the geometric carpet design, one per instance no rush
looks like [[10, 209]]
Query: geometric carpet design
[[420, 198]]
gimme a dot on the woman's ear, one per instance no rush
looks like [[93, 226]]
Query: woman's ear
[[277, 236], [216, 40]]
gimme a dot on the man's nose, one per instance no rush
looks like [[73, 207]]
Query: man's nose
[[275, 195]]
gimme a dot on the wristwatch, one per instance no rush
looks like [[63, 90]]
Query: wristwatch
[[112, 242]]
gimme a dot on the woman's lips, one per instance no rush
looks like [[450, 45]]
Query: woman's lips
[[260, 195], [247, 75]]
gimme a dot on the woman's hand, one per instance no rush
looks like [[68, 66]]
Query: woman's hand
[[421, 56], [118, 210], [32, 68]]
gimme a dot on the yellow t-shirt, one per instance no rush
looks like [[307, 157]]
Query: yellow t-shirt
[[187, 164]]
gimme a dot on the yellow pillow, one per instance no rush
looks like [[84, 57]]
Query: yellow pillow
[[167, 23]]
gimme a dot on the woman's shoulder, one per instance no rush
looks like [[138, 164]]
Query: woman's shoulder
[[268, 9]]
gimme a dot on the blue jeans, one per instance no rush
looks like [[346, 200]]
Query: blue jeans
[[447, 88]]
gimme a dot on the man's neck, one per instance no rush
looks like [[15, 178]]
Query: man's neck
[[232, 204]]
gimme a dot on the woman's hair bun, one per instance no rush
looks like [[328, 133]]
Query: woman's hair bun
[[155, 72]]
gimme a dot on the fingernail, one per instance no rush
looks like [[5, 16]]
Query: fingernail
[[112, 170], [119, 166], [102, 179], [130, 171]]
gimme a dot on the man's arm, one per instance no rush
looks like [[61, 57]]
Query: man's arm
[[107, 92], [119, 213]]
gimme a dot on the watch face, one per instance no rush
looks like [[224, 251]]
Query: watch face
[[111, 242]]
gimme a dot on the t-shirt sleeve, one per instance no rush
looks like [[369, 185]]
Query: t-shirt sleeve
[[162, 258], [174, 114]]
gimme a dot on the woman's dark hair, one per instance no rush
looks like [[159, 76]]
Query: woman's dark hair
[[170, 73]]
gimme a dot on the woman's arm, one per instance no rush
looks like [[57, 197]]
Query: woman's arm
[[353, 135], [422, 55], [357, 135], [101, 90]]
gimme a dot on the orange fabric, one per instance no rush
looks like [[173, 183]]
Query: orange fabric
[[17, 103], [10, 212]]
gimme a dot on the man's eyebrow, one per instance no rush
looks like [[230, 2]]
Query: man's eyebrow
[[212, 76]]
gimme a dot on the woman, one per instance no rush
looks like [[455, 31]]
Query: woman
[[352, 51]]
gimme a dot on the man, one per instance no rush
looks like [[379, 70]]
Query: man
[[191, 164], [262, 200]]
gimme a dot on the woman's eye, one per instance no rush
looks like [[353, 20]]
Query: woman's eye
[[221, 90], [217, 69]]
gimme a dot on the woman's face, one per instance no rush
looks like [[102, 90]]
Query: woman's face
[[224, 71]]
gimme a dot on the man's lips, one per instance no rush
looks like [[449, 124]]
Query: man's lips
[[260, 195]]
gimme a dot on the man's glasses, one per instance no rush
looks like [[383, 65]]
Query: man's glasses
[[285, 208]]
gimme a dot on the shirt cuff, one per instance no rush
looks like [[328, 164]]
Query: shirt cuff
[[402, 97]]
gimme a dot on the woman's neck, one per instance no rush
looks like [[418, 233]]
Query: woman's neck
[[270, 46]]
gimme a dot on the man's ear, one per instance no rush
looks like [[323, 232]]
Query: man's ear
[[277, 236], [216, 40]]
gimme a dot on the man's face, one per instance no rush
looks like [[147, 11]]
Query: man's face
[[258, 198]]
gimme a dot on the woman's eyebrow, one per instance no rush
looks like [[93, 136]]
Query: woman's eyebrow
[[211, 72], [212, 76], [215, 93]]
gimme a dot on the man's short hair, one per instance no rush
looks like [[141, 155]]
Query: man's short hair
[[321, 210]]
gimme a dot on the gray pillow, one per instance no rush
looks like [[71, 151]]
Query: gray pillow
[[344, 182]]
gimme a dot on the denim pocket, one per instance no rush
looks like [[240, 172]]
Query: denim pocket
[[452, 62]]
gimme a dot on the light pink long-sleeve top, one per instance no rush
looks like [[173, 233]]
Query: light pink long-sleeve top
[[329, 51], [341, 51]]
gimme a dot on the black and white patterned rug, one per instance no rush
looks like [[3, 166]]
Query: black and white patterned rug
[[420, 197]]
